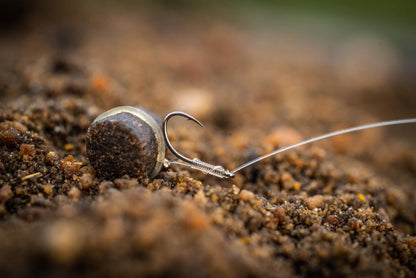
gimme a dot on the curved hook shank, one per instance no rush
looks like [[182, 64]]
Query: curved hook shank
[[165, 132], [195, 163]]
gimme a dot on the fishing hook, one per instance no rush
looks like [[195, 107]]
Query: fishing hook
[[215, 170]]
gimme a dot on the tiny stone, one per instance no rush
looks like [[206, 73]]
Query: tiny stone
[[246, 195], [68, 147], [280, 214], [20, 127], [50, 155], [74, 193], [86, 181], [47, 189], [104, 186], [69, 167], [236, 190], [286, 177], [10, 137], [5, 193], [314, 202], [296, 186], [26, 149], [125, 183], [332, 220]]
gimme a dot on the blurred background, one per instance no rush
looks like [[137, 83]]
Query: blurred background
[[246, 68]]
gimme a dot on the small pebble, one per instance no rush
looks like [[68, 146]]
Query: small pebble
[[5, 193], [125, 183], [27, 149], [74, 193], [104, 186], [86, 181], [332, 220], [68, 147], [47, 189], [314, 202], [246, 195]]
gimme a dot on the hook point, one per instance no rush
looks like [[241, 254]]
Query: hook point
[[165, 132]]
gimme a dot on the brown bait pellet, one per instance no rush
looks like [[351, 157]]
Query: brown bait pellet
[[126, 140]]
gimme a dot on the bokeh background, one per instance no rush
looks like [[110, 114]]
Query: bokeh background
[[364, 51], [309, 67], [259, 75]]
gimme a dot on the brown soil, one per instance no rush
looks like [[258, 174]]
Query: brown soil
[[339, 208]]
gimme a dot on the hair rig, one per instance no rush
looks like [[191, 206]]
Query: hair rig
[[129, 140]]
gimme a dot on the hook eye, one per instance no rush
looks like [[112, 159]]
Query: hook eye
[[165, 132]]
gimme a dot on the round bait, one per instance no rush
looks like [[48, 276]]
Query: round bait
[[126, 140], [129, 140]]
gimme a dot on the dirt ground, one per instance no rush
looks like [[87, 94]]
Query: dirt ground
[[343, 207]]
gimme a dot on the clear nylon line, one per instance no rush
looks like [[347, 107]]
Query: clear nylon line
[[387, 123]]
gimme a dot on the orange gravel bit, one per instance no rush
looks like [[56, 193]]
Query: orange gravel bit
[[100, 82]]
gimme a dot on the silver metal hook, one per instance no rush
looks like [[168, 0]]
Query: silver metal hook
[[165, 133], [215, 170]]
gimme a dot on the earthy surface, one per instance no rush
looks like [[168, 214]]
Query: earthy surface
[[340, 208]]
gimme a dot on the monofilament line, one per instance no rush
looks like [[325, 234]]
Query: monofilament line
[[388, 123]]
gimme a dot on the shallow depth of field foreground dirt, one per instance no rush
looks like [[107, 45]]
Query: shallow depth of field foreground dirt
[[343, 207]]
